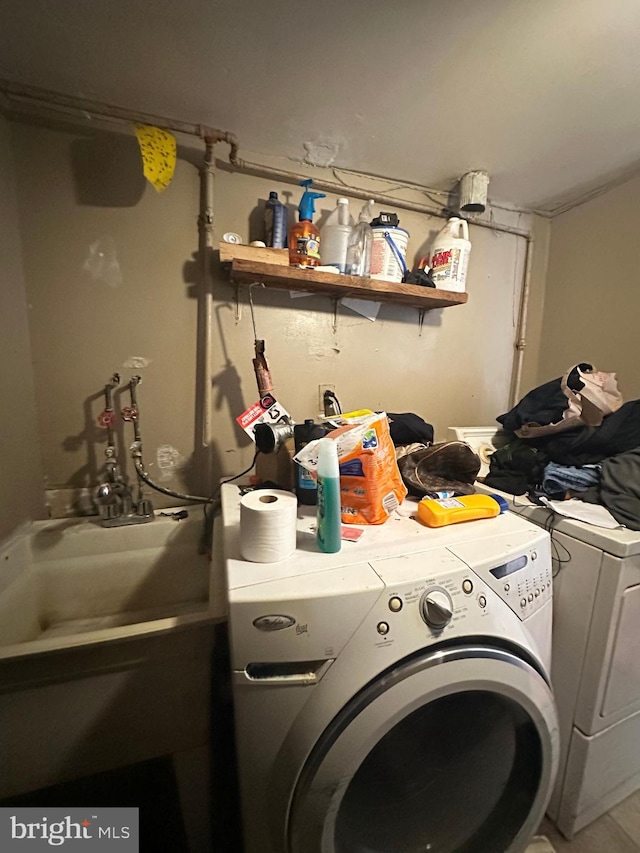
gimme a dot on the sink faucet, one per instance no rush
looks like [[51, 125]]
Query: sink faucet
[[115, 499], [118, 508]]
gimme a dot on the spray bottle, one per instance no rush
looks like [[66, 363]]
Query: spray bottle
[[304, 236], [360, 241]]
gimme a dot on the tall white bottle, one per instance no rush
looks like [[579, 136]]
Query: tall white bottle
[[450, 256], [334, 236]]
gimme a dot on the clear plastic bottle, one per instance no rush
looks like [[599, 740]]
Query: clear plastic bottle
[[328, 514], [360, 241], [335, 234]]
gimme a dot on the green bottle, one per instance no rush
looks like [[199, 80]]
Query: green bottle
[[328, 512]]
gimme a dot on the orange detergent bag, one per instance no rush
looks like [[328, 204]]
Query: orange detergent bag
[[371, 486]]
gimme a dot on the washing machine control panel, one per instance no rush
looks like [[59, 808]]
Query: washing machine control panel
[[520, 574], [436, 608], [434, 589]]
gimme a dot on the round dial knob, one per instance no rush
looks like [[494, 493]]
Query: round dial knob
[[436, 608]]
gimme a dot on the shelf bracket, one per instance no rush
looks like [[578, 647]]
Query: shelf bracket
[[334, 324], [238, 312], [421, 313]]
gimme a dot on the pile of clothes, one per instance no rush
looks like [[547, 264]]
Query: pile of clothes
[[574, 437]]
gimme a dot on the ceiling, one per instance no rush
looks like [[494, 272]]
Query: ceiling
[[543, 94]]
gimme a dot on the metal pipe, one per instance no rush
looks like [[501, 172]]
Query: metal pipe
[[521, 341], [207, 244], [23, 98], [260, 171]]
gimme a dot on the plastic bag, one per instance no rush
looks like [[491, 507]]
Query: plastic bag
[[371, 487]]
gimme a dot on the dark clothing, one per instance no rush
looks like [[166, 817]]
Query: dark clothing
[[618, 433], [407, 428], [619, 488], [516, 468], [543, 405]]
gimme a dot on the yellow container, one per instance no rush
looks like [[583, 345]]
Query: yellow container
[[437, 512]]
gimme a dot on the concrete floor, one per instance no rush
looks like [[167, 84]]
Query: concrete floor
[[616, 832]]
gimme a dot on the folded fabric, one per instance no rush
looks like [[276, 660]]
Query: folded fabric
[[558, 479]]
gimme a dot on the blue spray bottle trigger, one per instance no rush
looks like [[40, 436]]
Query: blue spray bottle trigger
[[306, 208]]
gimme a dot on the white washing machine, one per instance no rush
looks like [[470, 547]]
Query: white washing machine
[[394, 697]]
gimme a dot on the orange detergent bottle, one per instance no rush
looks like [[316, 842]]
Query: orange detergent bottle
[[304, 236], [438, 512]]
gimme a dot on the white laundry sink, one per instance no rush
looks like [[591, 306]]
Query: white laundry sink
[[69, 582]]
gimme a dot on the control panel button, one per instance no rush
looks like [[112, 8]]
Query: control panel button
[[383, 628], [523, 602], [482, 601], [467, 586], [395, 604], [534, 555], [507, 587], [530, 596], [537, 593]]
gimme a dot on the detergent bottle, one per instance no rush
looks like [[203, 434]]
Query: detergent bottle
[[275, 222], [450, 256], [304, 236], [389, 248], [360, 242], [335, 234], [328, 515]]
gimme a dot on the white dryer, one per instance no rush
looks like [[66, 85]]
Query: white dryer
[[394, 697], [595, 670]]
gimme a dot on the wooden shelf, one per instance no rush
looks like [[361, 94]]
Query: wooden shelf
[[336, 286]]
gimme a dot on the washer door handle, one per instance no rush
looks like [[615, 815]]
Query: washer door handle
[[287, 674]]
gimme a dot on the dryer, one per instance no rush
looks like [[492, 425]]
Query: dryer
[[595, 669], [394, 697]]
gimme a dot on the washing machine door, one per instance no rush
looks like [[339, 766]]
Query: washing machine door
[[452, 752]]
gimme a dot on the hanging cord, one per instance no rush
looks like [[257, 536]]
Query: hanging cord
[[136, 455], [556, 559], [213, 504], [550, 526]]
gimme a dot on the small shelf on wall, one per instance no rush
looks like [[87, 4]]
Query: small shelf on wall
[[270, 267]]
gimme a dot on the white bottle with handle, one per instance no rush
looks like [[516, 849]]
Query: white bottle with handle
[[450, 256], [334, 236]]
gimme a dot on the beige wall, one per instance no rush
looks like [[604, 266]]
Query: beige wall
[[81, 191], [21, 483], [592, 301]]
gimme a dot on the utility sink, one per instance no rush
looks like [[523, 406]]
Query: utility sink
[[69, 582]]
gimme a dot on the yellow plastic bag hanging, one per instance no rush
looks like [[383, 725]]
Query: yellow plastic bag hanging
[[158, 150]]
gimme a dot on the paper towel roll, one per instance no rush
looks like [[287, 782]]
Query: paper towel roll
[[268, 525]]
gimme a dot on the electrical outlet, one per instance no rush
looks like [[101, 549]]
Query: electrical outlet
[[321, 390]]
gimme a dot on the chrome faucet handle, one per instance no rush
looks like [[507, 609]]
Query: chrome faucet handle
[[109, 511]]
